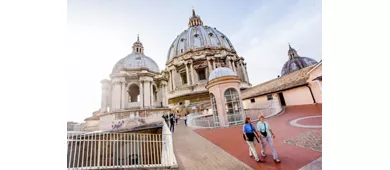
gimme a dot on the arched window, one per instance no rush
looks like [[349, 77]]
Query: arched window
[[233, 106], [133, 93], [214, 106]]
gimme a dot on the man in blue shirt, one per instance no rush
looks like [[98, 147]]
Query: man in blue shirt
[[266, 136]]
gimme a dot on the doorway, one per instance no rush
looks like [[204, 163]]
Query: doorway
[[281, 97]]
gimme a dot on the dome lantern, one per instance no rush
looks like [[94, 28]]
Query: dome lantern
[[292, 53], [194, 20], [137, 46]]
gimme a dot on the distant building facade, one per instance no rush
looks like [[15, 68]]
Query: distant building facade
[[300, 84]]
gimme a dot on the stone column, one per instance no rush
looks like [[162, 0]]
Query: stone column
[[170, 80], [123, 96], [173, 79], [165, 96], [207, 73], [105, 95], [151, 95], [141, 94], [147, 94], [209, 69], [243, 71], [187, 73], [192, 73], [116, 104], [234, 66], [229, 62], [213, 63], [246, 73], [160, 96]]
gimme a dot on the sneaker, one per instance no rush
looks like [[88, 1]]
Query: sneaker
[[277, 160], [259, 160], [263, 154]]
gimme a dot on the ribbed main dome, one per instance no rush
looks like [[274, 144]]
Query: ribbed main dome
[[198, 37]]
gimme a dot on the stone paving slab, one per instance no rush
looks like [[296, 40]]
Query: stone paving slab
[[296, 146], [195, 152], [310, 140], [315, 165]]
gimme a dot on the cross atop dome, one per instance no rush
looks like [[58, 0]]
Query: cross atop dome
[[194, 20], [137, 46]]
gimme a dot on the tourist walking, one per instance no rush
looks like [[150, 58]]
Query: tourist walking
[[172, 122], [249, 133], [266, 136], [185, 119], [177, 117]]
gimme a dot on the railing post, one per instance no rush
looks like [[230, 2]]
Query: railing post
[[98, 161]]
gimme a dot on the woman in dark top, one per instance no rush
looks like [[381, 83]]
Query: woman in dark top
[[249, 132]]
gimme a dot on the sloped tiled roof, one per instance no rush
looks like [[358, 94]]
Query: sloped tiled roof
[[293, 79]]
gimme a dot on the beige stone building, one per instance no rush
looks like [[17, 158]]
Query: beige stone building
[[193, 55], [300, 84], [225, 96]]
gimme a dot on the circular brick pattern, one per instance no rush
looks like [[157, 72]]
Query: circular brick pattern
[[296, 124], [312, 121]]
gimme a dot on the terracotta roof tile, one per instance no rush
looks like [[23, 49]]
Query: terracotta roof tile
[[293, 79]]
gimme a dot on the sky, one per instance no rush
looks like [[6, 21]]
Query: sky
[[101, 32]]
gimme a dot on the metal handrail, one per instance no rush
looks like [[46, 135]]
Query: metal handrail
[[108, 150]]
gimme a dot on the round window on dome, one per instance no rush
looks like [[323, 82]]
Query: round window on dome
[[196, 35], [210, 34]]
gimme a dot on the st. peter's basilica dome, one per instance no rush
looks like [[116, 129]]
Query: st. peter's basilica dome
[[198, 37]]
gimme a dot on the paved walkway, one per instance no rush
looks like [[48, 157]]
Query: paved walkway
[[195, 152], [297, 147]]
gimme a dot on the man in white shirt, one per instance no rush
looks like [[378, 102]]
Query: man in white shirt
[[266, 135]]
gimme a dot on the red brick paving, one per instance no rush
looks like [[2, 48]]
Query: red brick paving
[[292, 157]]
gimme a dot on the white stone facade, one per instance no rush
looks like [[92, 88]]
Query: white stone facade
[[136, 88]]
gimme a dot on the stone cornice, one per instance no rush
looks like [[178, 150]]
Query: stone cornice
[[207, 51], [221, 80]]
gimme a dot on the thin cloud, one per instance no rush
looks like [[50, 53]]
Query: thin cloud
[[263, 41]]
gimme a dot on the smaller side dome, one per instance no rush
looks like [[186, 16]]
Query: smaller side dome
[[296, 62], [221, 72]]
